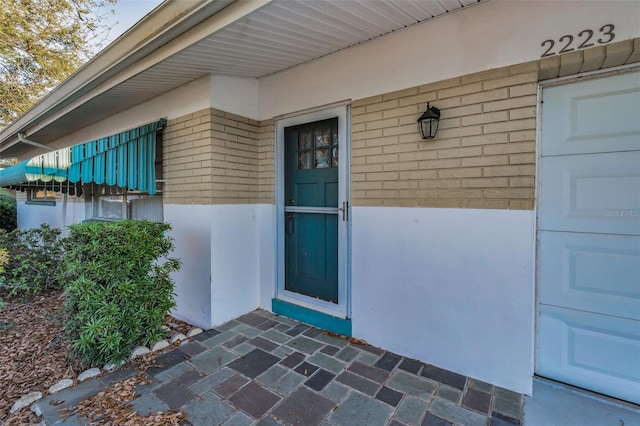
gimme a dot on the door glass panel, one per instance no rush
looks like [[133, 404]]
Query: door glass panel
[[311, 162], [305, 140], [317, 145], [323, 158], [305, 160], [323, 137]]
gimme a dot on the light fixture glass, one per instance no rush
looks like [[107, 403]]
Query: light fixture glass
[[428, 122]]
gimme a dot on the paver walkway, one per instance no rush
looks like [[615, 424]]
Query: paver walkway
[[268, 370]]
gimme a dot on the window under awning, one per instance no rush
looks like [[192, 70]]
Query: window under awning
[[125, 160]]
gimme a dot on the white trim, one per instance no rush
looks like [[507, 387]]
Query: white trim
[[299, 209], [342, 308], [606, 72], [536, 223], [346, 102], [310, 303]]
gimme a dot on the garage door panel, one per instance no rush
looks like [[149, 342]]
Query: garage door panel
[[601, 115], [593, 351], [596, 273], [597, 193], [589, 238]]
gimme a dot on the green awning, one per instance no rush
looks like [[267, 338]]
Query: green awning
[[125, 160]]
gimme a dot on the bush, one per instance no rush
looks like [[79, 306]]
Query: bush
[[34, 260], [116, 292], [8, 212]]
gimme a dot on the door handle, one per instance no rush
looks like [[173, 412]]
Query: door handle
[[345, 210], [290, 224]]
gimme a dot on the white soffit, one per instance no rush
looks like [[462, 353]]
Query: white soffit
[[286, 33], [280, 35]]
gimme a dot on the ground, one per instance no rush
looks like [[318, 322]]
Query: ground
[[260, 368], [35, 355]]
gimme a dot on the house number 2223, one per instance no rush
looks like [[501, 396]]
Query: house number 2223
[[585, 38]]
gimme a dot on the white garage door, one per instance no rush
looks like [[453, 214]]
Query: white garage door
[[589, 269]]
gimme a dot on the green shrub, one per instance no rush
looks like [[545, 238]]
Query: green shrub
[[8, 212], [116, 291], [34, 260]]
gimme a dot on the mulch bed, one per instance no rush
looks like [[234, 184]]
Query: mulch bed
[[34, 354]]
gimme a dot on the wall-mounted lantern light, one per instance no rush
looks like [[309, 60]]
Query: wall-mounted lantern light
[[428, 122]]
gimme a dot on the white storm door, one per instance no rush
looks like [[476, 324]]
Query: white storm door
[[335, 302], [589, 240]]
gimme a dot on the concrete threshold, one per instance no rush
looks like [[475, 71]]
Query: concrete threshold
[[558, 404]]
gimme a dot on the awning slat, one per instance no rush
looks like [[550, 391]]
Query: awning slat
[[86, 168], [111, 166], [126, 159], [77, 152], [142, 164], [121, 171], [151, 153], [99, 164], [132, 166]]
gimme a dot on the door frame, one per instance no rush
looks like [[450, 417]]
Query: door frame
[[343, 308]]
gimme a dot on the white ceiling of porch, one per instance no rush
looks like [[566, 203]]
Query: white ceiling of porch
[[287, 33], [280, 35]]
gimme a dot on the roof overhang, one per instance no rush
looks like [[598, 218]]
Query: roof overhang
[[179, 42]]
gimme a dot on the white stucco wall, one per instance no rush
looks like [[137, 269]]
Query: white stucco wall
[[451, 287], [236, 95], [219, 246], [234, 261], [76, 213], [267, 256], [490, 35], [191, 229], [32, 216]]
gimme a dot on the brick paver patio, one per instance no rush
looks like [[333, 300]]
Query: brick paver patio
[[266, 369]]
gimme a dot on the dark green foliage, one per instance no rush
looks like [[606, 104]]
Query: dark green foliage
[[8, 213], [35, 256], [42, 43], [116, 291]]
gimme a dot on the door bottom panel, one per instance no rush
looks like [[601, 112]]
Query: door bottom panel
[[592, 351], [311, 247]]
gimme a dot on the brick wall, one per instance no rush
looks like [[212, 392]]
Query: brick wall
[[235, 158], [210, 157], [187, 159], [266, 161], [483, 156]]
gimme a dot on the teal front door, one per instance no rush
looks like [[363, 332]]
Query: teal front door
[[311, 213]]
